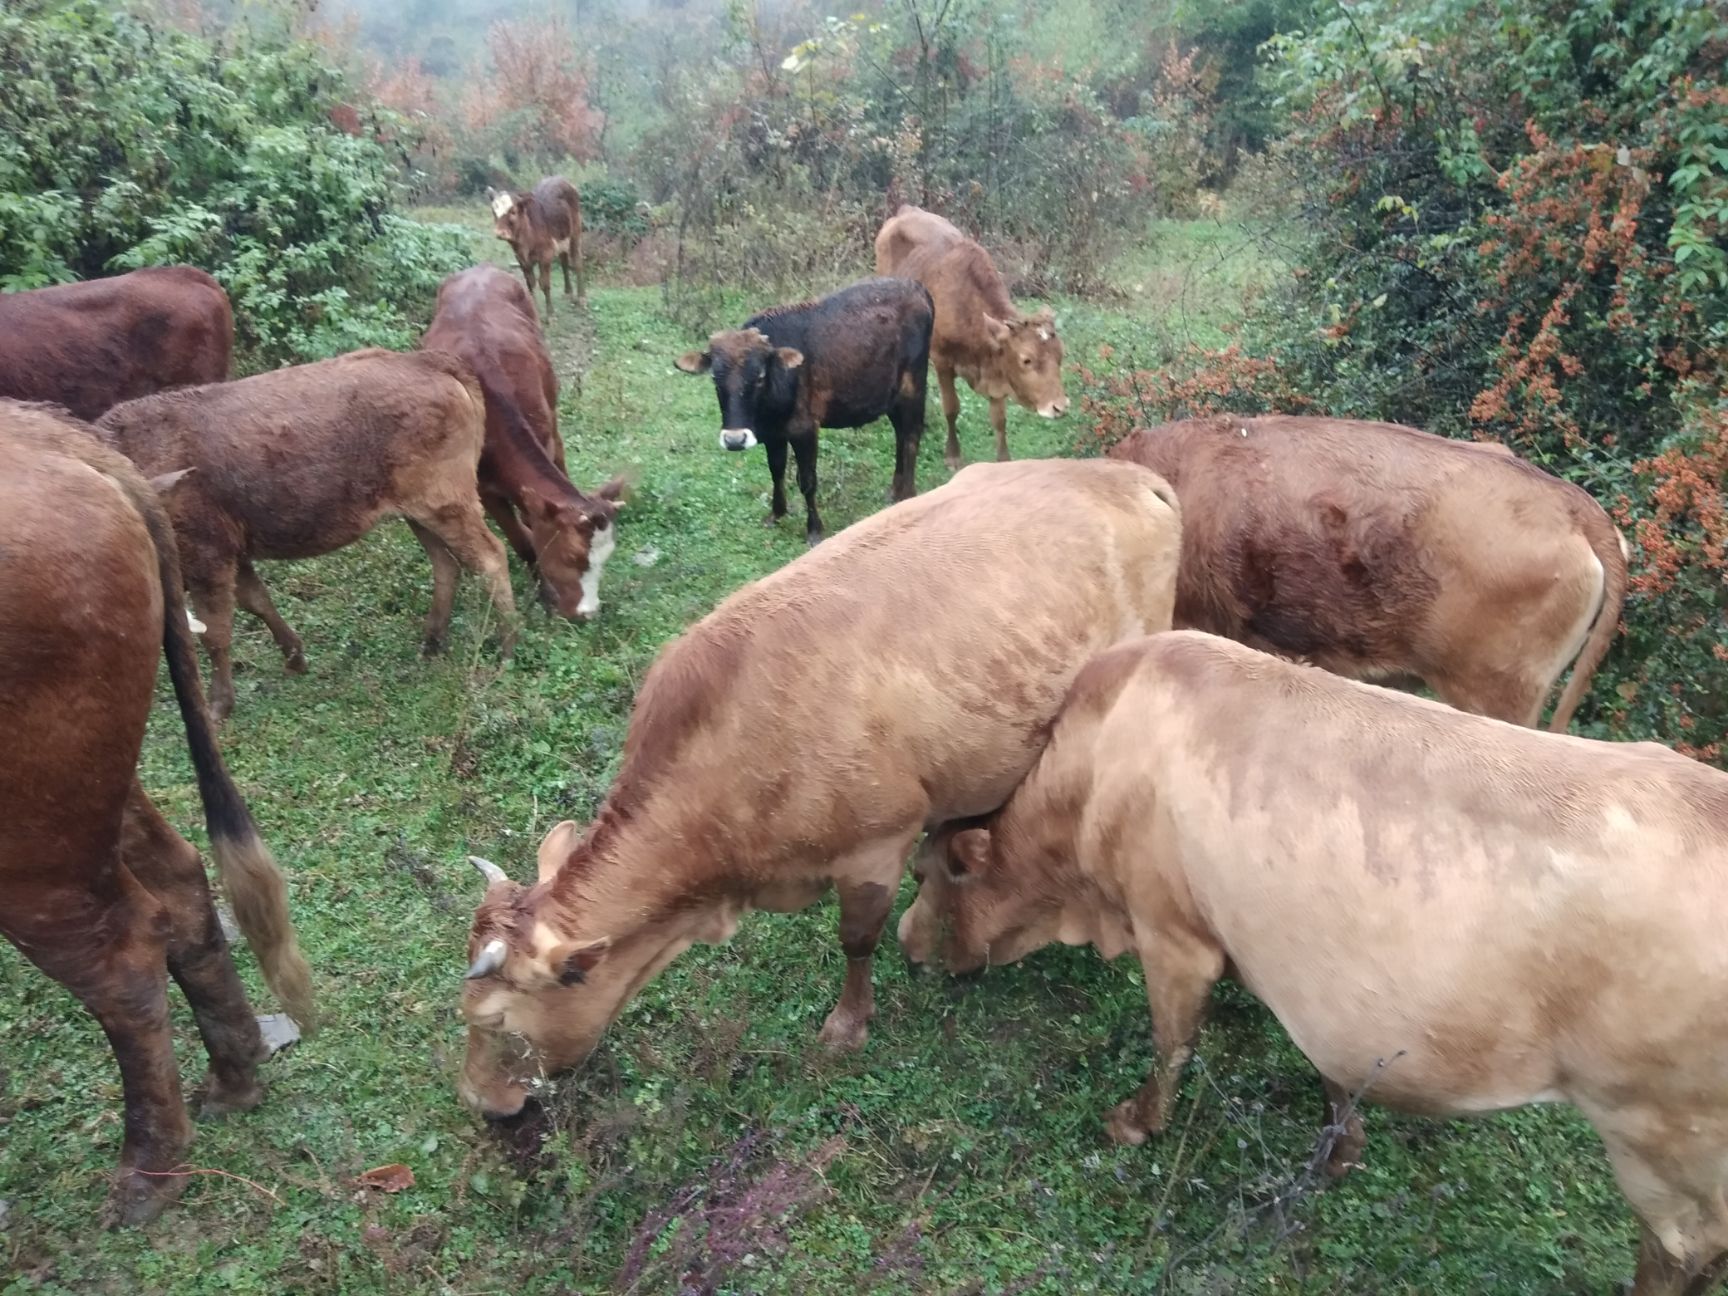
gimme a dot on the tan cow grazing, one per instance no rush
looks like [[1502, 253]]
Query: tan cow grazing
[[95, 888], [88, 346], [979, 334], [1388, 555], [485, 318], [302, 461], [805, 733], [539, 226], [1450, 915]]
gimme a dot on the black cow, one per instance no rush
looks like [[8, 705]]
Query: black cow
[[841, 362]]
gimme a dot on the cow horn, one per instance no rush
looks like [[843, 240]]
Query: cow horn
[[488, 960], [488, 870]]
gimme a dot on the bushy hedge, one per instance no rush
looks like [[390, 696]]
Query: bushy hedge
[[122, 145], [1517, 228]]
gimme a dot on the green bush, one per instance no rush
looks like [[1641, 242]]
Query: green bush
[[123, 145]]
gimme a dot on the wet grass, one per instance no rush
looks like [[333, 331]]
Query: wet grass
[[709, 1146]]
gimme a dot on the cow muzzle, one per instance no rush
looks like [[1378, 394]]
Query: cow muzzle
[[1055, 409], [737, 439]]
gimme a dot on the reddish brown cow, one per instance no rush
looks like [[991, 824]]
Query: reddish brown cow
[[1385, 554], [89, 346], [95, 888], [487, 319], [539, 226], [979, 333], [305, 460]]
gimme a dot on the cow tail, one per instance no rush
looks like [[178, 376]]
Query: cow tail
[[1610, 549], [248, 871]]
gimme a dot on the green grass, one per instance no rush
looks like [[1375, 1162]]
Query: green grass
[[960, 1152]]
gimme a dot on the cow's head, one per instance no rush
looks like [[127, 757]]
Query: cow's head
[[1029, 359], [977, 906], [506, 214], [756, 382], [572, 541], [549, 969]]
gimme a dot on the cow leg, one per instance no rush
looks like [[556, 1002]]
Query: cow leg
[[118, 970], [1181, 969], [776, 448], [446, 572], [211, 583], [866, 885], [546, 286], [1669, 1166], [462, 528], [501, 511], [564, 265], [908, 434], [255, 598], [999, 421], [951, 414], [527, 269], [804, 450], [198, 958], [1341, 1125]]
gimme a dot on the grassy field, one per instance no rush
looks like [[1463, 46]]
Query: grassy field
[[709, 1145]]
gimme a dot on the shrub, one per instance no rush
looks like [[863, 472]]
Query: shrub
[[248, 160]]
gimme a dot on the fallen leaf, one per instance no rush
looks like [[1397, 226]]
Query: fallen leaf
[[391, 1178]]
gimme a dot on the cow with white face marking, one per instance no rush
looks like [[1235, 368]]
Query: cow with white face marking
[[841, 362], [539, 226]]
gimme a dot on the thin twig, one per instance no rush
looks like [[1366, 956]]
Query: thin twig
[[224, 1174]]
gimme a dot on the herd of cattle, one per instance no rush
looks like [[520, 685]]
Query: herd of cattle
[[1074, 682]]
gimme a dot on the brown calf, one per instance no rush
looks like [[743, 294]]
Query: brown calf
[[89, 346], [539, 226], [1389, 555], [805, 733], [305, 460], [95, 888], [979, 334], [487, 319], [1450, 915]]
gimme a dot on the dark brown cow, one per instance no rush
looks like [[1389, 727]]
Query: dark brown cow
[[89, 346], [841, 362], [305, 460], [979, 333], [1385, 554], [95, 888], [539, 226], [487, 319]]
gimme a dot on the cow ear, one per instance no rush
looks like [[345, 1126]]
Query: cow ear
[[968, 853], [555, 847], [996, 330], [491, 193], [789, 357], [695, 362], [571, 962]]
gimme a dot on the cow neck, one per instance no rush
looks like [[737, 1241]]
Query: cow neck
[[1039, 825], [521, 462], [618, 867]]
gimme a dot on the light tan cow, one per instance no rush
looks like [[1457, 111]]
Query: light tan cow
[[1449, 914], [805, 733], [979, 334], [1393, 556]]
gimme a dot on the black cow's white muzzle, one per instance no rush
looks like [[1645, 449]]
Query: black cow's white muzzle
[[737, 439]]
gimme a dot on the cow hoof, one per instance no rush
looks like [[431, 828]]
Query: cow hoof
[[219, 1099], [431, 645], [138, 1198], [954, 462], [772, 520], [844, 1033], [1125, 1126], [296, 662], [812, 539]]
